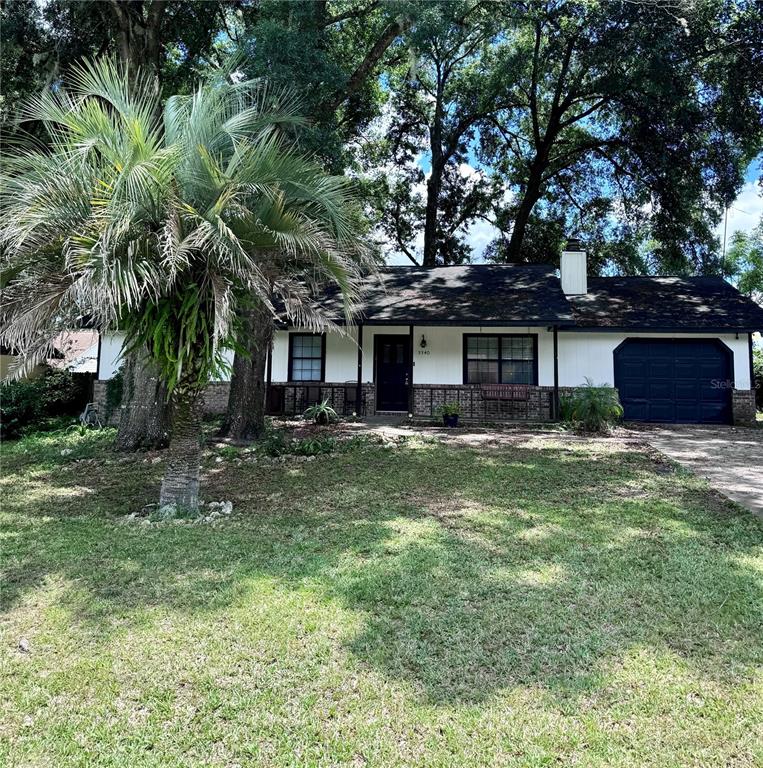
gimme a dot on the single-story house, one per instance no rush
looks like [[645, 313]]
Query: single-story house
[[505, 341]]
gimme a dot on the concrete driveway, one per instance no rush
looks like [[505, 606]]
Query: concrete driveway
[[731, 459]]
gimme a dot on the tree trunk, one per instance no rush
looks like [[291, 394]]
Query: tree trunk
[[430, 218], [245, 419], [144, 421], [529, 199], [434, 183], [180, 485]]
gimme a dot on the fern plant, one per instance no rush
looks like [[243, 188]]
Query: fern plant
[[594, 407]]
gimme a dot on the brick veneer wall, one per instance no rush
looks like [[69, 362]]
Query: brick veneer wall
[[428, 398], [216, 397], [743, 406], [297, 397], [215, 400]]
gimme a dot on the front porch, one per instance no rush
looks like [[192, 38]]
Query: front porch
[[477, 402], [494, 373]]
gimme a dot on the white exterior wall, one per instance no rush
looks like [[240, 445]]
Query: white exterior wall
[[581, 355], [110, 357], [440, 363], [591, 355]]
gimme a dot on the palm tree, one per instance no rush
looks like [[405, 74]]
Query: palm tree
[[163, 222]]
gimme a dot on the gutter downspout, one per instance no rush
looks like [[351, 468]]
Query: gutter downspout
[[359, 384], [410, 371], [555, 403]]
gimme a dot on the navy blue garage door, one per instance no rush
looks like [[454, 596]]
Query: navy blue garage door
[[676, 380]]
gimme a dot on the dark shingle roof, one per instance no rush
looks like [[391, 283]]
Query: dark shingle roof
[[487, 294], [665, 303], [519, 295]]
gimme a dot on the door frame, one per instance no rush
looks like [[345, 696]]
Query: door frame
[[377, 389]]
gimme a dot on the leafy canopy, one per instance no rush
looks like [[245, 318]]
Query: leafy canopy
[[164, 221]]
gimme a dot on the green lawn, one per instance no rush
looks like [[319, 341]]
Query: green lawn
[[541, 604]]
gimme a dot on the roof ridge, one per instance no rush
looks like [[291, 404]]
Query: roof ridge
[[657, 277], [543, 265]]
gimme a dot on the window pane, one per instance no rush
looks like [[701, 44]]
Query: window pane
[[517, 372], [517, 348], [478, 372], [482, 347], [306, 370], [306, 355]]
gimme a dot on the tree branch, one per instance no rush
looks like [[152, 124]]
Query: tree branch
[[352, 13], [371, 59]]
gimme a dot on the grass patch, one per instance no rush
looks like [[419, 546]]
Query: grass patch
[[544, 603]]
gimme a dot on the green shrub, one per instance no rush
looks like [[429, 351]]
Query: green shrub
[[28, 403], [274, 443], [594, 408], [114, 391], [450, 409], [757, 369], [566, 408], [19, 406], [314, 446]]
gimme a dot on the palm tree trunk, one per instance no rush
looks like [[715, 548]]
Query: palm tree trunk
[[180, 485], [144, 420], [245, 419]]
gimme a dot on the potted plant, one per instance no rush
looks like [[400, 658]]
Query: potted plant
[[450, 413]]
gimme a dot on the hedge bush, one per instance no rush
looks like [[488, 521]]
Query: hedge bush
[[25, 403]]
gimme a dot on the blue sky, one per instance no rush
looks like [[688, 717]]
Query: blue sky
[[743, 215]]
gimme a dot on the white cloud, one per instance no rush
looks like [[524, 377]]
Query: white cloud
[[481, 233], [745, 212]]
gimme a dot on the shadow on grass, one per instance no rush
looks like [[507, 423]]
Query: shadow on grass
[[474, 570]]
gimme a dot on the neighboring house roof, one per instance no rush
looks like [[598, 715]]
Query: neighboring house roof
[[474, 294], [76, 351], [665, 303]]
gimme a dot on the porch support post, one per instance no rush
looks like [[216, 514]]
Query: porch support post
[[555, 404], [410, 370], [269, 372], [752, 361], [359, 385]]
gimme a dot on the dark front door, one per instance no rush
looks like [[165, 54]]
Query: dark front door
[[676, 380], [392, 363]]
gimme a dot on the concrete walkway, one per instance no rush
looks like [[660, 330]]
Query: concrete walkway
[[731, 459]]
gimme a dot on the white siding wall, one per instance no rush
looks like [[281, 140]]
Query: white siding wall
[[111, 354], [580, 354], [591, 354], [440, 363]]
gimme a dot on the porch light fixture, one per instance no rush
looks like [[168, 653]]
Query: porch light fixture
[[423, 342]]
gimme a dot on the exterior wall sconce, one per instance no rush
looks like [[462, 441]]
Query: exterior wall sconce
[[423, 342]]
